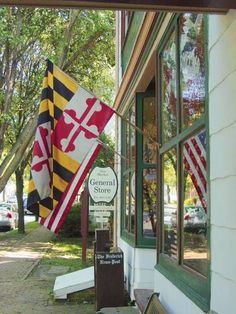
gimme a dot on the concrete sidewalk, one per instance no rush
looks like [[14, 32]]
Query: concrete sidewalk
[[22, 293]]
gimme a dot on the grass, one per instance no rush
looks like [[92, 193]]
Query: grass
[[14, 235], [67, 252]]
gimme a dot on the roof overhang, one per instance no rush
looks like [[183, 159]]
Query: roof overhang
[[210, 6]]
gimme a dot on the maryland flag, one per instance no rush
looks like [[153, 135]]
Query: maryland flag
[[65, 147]]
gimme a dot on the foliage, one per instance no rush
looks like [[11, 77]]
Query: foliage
[[14, 235], [106, 155], [81, 42], [67, 252], [72, 225]]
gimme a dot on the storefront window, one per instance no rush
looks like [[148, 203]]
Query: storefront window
[[149, 202], [183, 155], [169, 89], [170, 203], [146, 171], [195, 203], [128, 169], [192, 67]]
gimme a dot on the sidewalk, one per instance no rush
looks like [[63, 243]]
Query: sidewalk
[[22, 293]]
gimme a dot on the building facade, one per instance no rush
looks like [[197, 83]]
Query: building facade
[[176, 78]]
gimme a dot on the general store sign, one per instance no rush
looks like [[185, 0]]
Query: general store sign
[[159, 5], [102, 184]]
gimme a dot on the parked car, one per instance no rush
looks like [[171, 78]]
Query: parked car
[[195, 219], [26, 211], [8, 216]]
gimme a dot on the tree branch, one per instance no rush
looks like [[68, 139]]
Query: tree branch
[[85, 47]]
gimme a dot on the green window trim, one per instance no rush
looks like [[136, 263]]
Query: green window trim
[[126, 169], [131, 38], [192, 284], [142, 241], [196, 287]]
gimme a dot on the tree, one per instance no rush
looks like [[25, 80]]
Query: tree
[[80, 42], [106, 155]]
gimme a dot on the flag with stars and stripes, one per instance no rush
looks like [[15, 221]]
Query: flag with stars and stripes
[[65, 147], [195, 163]]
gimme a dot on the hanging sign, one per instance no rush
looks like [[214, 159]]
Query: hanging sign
[[102, 184]]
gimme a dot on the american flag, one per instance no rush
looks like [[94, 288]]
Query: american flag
[[195, 163]]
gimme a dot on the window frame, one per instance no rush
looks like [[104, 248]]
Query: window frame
[[142, 241], [128, 236], [191, 283]]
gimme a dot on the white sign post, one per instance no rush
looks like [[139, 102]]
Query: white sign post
[[102, 187]]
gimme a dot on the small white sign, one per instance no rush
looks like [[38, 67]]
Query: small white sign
[[100, 214], [102, 184], [101, 219], [101, 207]]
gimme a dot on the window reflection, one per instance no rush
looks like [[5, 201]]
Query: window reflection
[[192, 67], [132, 202], [150, 130], [126, 185], [149, 202], [170, 203], [195, 205], [132, 146], [169, 89]]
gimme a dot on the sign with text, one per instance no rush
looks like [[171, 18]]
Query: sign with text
[[109, 258], [102, 219], [102, 184], [101, 213], [100, 206]]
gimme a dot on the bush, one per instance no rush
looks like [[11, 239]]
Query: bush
[[72, 225]]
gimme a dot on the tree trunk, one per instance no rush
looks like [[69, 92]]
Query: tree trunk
[[19, 196], [15, 156]]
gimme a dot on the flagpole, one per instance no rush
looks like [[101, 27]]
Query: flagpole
[[117, 113], [114, 151], [136, 128]]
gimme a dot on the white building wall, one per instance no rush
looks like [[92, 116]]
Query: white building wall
[[138, 267], [222, 111]]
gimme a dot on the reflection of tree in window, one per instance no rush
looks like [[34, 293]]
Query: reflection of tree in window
[[192, 67], [169, 88], [149, 202]]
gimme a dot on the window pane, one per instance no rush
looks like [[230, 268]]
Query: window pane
[[149, 202], [126, 202], [192, 67], [170, 203], [195, 205], [132, 143], [127, 149], [130, 154], [132, 203], [149, 127], [169, 89]]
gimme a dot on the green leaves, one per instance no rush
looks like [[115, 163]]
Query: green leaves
[[82, 42]]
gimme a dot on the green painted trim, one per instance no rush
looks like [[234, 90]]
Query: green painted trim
[[141, 240], [143, 59], [127, 236], [191, 284], [131, 38], [197, 125]]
